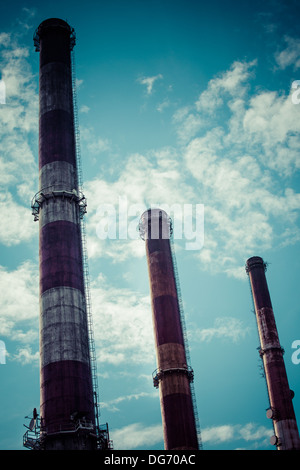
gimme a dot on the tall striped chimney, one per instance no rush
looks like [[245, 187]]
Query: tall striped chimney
[[67, 412], [281, 409], [173, 375]]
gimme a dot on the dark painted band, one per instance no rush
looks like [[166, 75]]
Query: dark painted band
[[260, 287], [180, 422], [159, 245], [66, 390], [60, 256], [56, 138], [167, 322], [54, 46]]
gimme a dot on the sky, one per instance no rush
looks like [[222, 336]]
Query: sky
[[181, 104]]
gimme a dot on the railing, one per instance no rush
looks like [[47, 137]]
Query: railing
[[34, 438], [31, 440], [54, 191], [159, 373]]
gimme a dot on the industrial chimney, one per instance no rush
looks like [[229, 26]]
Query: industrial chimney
[[173, 375], [67, 401], [281, 409]]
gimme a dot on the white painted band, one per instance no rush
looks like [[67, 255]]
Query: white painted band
[[56, 177], [287, 433], [63, 326], [57, 174], [170, 355], [55, 76], [58, 208]]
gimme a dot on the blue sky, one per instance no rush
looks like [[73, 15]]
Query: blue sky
[[184, 102]]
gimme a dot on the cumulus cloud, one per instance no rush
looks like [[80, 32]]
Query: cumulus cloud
[[253, 435], [19, 313], [231, 83], [249, 435], [20, 227], [233, 165], [26, 356], [136, 435], [237, 149], [122, 324], [18, 132], [25, 277], [241, 159], [132, 193], [225, 328], [217, 434]]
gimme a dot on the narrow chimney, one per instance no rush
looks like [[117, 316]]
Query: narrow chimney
[[173, 375], [281, 409]]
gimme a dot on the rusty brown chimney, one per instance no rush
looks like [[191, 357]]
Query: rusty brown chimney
[[173, 376], [281, 409]]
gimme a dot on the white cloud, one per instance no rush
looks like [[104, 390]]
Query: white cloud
[[163, 105], [84, 109], [224, 327], [149, 82], [19, 307], [111, 404], [93, 144], [190, 125], [290, 55], [98, 146], [217, 434], [23, 306], [136, 435], [239, 163], [145, 180], [78, 83], [255, 435], [26, 356], [231, 83], [5, 39], [19, 124], [271, 122], [122, 324], [247, 209], [19, 227], [25, 20], [233, 158]]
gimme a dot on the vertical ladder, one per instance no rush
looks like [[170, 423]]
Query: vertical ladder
[[187, 351], [93, 356]]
